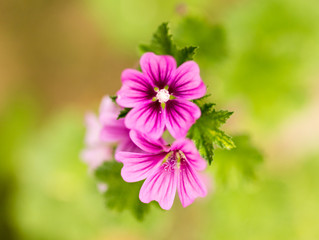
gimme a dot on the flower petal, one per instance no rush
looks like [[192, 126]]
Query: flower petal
[[147, 144], [190, 185], [95, 156], [126, 145], [114, 131], [102, 187], [187, 83], [136, 89], [161, 187], [159, 68], [108, 108], [147, 118], [93, 128], [180, 116], [138, 166], [191, 153]]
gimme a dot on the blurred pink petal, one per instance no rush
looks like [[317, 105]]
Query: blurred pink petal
[[94, 156], [113, 130], [93, 128], [102, 187], [103, 132]]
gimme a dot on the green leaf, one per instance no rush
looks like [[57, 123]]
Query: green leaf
[[203, 141], [113, 98], [201, 100], [206, 131], [121, 195], [211, 38], [238, 165], [185, 54], [222, 140], [123, 113], [163, 44]]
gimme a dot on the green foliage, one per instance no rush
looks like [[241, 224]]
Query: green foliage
[[123, 113], [121, 195], [222, 140], [113, 98], [272, 43], [206, 131], [17, 122], [162, 44], [50, 152], [211, 38], [185, 54], [238, 164]]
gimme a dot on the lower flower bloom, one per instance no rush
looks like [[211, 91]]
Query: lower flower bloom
[[166, 169]]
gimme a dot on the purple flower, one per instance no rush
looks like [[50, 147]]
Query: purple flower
[[160, 94], [165, 168]]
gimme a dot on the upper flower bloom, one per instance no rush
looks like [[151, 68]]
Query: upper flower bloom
[[166, 168], [160, 94]]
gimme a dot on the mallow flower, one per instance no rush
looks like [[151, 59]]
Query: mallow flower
[[113, 130], [160, 95], [166, 168], [96, 151], [102, 132]]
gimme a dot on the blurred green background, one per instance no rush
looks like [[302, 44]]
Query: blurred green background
[[259, 58]]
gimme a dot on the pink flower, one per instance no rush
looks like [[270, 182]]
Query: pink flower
[[113, 130], [96, 151], [103, 132], [165, 168], [160, 94]]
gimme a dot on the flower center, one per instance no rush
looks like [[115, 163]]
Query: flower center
[[163, 96], [175, 160]]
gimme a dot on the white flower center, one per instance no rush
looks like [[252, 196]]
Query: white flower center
[[163, 96]]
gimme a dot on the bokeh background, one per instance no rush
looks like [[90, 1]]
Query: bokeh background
[[58, 58]]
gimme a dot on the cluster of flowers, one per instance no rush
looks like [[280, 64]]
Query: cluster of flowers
[[159, 97]]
